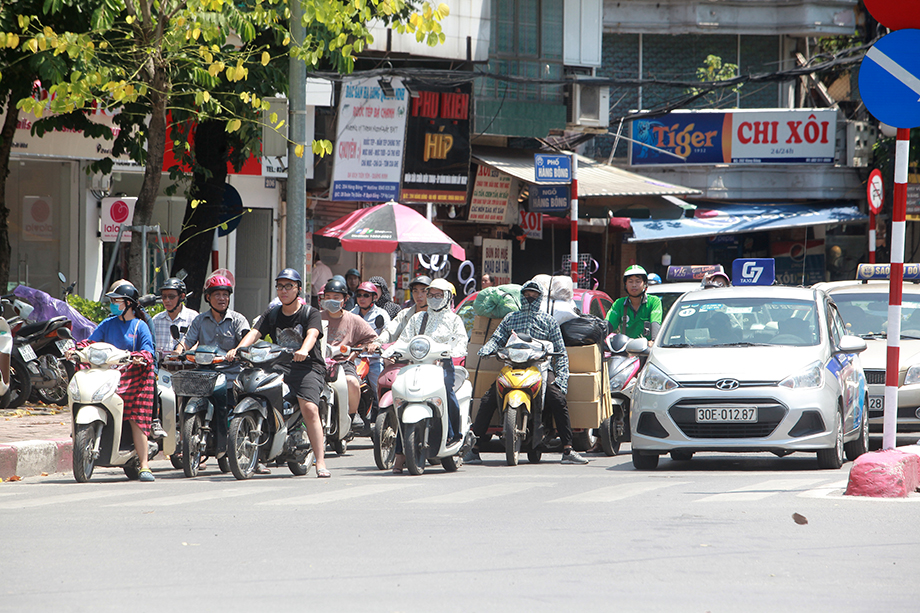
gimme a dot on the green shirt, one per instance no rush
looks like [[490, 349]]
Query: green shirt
[[649, 310]]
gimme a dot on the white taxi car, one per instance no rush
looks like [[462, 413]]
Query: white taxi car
[[749, 369]]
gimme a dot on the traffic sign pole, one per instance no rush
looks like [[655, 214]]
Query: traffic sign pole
[[574, 216], [871, 237], [896, 281]]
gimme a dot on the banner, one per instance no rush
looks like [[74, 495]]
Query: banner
[[117, 211], [496, 260], [532, 224], [36, 219], [370, 139], [736, 137], [489, 203], [798, 263], [437, 164]]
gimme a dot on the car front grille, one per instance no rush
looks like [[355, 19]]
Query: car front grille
[[769, 414], [875, 377]]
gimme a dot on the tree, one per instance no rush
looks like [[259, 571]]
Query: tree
[[148, 57], [712, 70]]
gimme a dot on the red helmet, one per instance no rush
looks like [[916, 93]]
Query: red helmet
[[217, 282], [369, 287]]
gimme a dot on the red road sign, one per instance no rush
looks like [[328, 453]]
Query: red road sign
[[875, 191], [895, 14]]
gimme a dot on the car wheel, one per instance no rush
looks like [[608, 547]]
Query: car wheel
[[644, 462], [833, 458]]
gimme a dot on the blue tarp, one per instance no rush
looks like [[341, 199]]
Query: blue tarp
[[713, 219]]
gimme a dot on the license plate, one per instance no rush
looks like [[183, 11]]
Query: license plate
[[64, 344], [27, 353], [726, 415], [876, 403]]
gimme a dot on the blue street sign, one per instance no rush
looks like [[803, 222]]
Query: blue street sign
[[549, 198], [552, 168], [753, 271], [889, 79]]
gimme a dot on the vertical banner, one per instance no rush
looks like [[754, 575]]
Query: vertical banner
[[798, 263], [532, 224], [117, 211], [490, 196], [36, 219], [496, 260], [437, 164], [370, 140]]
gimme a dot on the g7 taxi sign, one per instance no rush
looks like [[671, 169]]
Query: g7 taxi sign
[[889, 79], [753, 271]]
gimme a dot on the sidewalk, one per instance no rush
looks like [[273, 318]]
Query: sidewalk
[[34, 439]]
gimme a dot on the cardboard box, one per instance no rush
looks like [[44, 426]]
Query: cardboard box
[[585, 414], [584, 359], [483, 381], [584, 387], [485, 324], [473, 360], [479, 337]]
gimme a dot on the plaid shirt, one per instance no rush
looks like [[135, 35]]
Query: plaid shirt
[[161, 324], [542, 326]]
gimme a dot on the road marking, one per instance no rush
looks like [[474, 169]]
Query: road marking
[[824, 490], [91, 493], [168, 501], [474, 494], [618, 492], [894, 69], [760, 491], [346, 493]]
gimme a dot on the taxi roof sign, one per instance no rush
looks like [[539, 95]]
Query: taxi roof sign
[[882, 272], [692, 273]]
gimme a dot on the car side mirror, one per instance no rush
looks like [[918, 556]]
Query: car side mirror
[[850, 344]]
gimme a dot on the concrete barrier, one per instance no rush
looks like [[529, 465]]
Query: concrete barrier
[[32, 458], [892, 473]]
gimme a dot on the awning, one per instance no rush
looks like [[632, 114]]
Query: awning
[[594, 179], [711, 219]]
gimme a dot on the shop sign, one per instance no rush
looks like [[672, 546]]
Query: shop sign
[[489, 203], [496, 260], [370, 140], [532, 224], [797, 263], [115, 212], [549, 198], [913, 194], [437, 165], [735, 137], [36, 219]]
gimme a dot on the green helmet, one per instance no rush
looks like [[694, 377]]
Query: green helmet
[[635, 270]]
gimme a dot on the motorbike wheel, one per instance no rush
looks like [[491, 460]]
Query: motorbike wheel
[[452, 463], [610, 442], [384, 437], [191, 444], [512, 435], [584, 440], [299, 469], [534, 456], [340, 446], [56, 394], [20, 383], [132, 470], [242, 450], [83, 442], [223, 464], [415, 448], [176, 460]]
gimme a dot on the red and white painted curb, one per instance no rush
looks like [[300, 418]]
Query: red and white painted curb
[[32, 458]]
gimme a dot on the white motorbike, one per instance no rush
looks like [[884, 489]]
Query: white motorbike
[[100, 436], [333, 407], [421, 404]]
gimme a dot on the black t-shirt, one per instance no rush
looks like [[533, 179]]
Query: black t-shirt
[[290, 330]]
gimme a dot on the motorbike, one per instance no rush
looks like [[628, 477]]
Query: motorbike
[[266, 424], [623, 366], [100, 437], [421, 404], [6, 351], [333, 407], [386, 424]]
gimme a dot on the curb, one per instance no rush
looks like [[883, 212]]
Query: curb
[[892, 473], [32, 458]]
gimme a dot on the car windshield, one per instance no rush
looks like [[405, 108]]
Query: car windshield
[[740, 322], [866, 315]]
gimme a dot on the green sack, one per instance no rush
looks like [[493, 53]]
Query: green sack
[[496, 302]]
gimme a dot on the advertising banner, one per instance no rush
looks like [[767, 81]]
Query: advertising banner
[[736, 137], [798, 263], [532, 224], [117, 211], [496, 260], [437, 165], [370, 139], [491, 191], [36, 219]]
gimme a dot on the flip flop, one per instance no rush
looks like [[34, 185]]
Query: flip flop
[[323, 473]]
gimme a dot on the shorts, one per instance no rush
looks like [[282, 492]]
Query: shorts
[[348, 366], [307, 384]]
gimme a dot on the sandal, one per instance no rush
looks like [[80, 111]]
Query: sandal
[[323, 473]]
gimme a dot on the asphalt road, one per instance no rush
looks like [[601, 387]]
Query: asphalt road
[[713, 534]]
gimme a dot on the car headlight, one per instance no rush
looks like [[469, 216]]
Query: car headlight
[[419, 348], [811, 377], [654, 380], [105, 389], [912, 376], [73, 390]]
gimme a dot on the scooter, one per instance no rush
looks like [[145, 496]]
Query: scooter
[[100, 437], [266, 423], [386, 425], [6, 351], [623, 368], [421, 404], [333, 407]]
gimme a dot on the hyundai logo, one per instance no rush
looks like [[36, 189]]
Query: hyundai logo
[[726, 385]]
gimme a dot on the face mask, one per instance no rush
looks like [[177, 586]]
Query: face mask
[[333, 306], [115, 309], [437, 304], [531, 299]]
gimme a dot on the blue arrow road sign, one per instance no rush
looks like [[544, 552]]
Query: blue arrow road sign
[[889, 79], [551, 168]]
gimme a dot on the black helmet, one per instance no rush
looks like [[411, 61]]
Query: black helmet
[[420, 280], [126, 291], [353, 271], [291, 275], [173, 283], [335, 285]]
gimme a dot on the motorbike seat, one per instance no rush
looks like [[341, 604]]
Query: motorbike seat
[[32, 328]]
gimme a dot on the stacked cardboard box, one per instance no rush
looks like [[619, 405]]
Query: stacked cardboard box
[[483, 373], [483, 327], [588, 396]]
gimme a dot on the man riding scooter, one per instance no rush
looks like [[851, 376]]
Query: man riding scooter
[[539, 325], [638, 314]]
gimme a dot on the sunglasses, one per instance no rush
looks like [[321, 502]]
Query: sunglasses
[[286, 287], [365, 295]]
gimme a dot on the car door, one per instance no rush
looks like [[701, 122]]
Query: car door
[[850, 371]]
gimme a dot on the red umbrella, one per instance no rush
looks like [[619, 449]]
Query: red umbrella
[[387, 227]]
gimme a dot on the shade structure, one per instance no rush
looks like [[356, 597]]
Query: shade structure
[[387, 227]]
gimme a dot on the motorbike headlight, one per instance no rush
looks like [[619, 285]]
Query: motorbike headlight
[[73, 390], [204, 357], [97, 357], [912, 376], [654, 380], [623, 374], [419, 348], [104, 390], [502, 385], [811, 377]]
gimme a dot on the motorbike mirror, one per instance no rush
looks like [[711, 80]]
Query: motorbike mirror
[[62, 277], [637, 346], [181, 275], [378, 323], [174, 331], [148, 300]]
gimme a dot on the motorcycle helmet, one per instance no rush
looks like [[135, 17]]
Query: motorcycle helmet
[[367, 286], [654, 279], [217, 282], [173, 283], [353, 272], [420, 280], [635, 270], [443, 284], [291, 275], [716, 279], [616, 342], [336, 285], [126, 291]]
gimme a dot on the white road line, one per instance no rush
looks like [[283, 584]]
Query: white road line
[[759, 491], [90, 493], [168, 501], [619, 492], [824, 490], [894, 69], [345, 493], [474, 494]]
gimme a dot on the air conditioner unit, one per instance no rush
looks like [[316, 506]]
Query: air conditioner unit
[[590, 106]]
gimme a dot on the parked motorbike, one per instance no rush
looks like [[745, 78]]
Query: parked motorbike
[[386, 425], [421, 404], [100, 437], [266, 423], [6, 351]]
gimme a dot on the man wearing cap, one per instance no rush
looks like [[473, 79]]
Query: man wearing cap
[[418, 288], [637, 314], [172, 294], [366, 296], [352, 280]]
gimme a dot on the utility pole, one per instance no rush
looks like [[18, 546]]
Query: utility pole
[[296, 227]]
